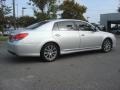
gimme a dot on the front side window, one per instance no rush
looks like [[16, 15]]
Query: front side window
[[84, 26], [66, 26]]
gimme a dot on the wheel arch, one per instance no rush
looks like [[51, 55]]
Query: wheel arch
[[109, 39], [58, 46]]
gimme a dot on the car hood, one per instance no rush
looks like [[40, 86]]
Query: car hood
[[106, 33]]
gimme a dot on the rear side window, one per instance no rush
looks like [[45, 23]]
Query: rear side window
[[36, 25], [66, 26], [55, 27]]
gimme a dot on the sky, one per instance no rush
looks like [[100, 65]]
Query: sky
[[94, 8]]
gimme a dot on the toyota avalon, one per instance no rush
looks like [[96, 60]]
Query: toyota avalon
[[51, 38]]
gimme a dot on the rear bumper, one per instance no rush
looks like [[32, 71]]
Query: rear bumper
[[18, 49]]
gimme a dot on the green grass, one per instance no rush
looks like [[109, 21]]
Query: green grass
[[3, 38]]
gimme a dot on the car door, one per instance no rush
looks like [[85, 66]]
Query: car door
[[89, 37], [66, 35]]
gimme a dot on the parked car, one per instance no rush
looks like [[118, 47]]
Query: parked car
[[100, 27], [117, 32], [1, 33], [51, 38], [6, 33]]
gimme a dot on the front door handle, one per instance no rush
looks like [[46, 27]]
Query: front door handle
[[83, 35]]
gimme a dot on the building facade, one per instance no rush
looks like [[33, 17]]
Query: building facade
[[110, 21]]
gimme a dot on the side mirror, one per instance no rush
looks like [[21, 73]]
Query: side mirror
[[95, 29]]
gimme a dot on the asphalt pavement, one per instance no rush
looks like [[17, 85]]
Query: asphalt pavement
[[91, 70]]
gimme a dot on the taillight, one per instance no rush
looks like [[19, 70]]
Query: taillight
[[18, 36]]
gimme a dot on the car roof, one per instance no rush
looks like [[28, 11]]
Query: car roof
[[58, 20]]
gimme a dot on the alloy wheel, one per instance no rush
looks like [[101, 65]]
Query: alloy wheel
[[107, 45], [50, 52]]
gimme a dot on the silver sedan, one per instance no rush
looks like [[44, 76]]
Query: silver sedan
[[49, 39]]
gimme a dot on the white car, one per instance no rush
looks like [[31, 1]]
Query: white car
[[52, 38], [1, 33], [6, 33]]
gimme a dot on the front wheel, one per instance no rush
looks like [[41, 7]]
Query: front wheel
[[49, 52], [107, 46]]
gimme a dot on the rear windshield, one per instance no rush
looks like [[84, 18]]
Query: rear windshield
[[36, 25]]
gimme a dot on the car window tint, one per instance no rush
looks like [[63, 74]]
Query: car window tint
[[66, 26], [36, 25], [84, 26], [55, 27]]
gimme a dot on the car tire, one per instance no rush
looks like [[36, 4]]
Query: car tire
[[107, 45], [49, 52]]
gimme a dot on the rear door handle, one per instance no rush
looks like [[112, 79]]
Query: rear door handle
[[57, 35]]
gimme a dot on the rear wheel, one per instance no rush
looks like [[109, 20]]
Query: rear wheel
[[49, 52], [107, 45]]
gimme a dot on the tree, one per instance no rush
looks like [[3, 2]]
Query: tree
[[9, 20], [4, 10], [40, 4], [1, 19], [41, 16], [72, 10], [52, 9], [25, 21], [47, 9]]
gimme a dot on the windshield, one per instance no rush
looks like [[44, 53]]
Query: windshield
[[36, 25]]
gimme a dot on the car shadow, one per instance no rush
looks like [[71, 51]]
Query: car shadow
[[20, 60], [78, 54], [15, 59]]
